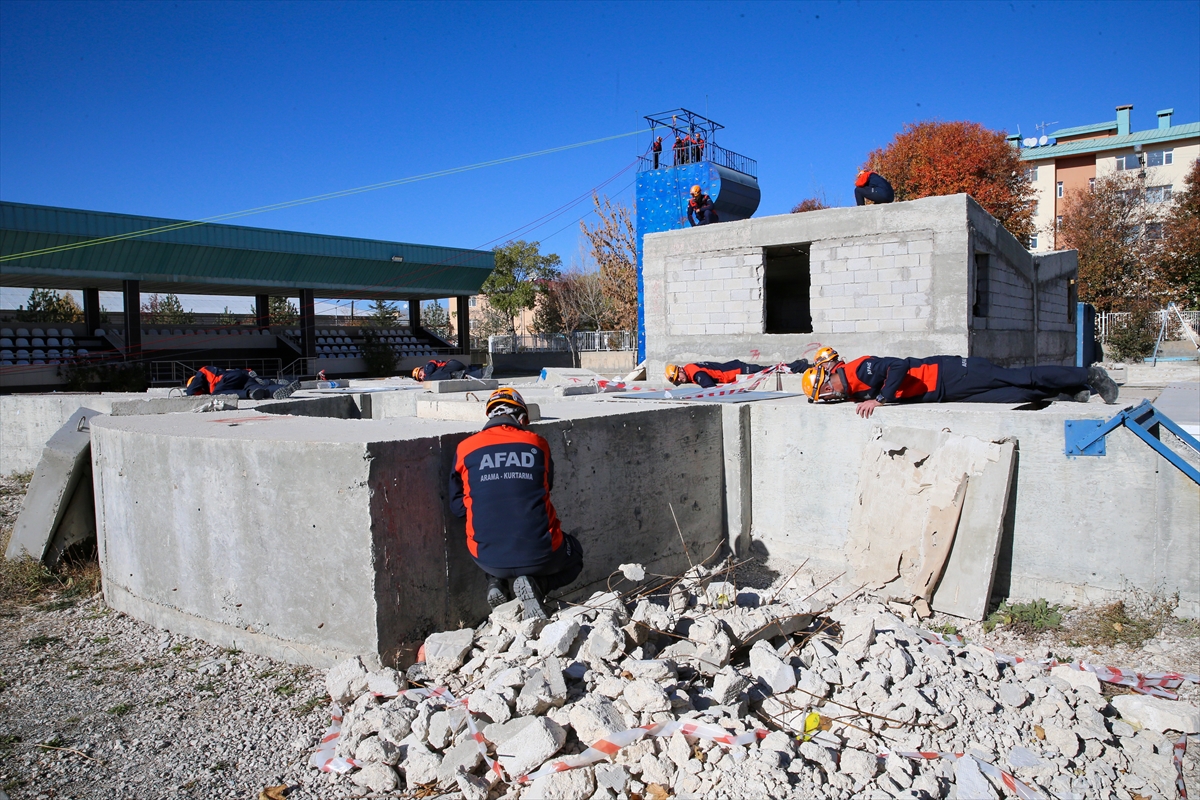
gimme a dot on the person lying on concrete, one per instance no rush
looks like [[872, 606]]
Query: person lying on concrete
[[501, 483], [453, 369], [873, 187], [244, 383], [873, 382], [708, 374], [700, 208]]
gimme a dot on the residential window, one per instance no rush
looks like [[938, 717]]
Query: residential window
[[1058, 190], [1033, 242], [472, 302], [1160, 158], [1031, 174], [1058, 222], [1034, 208], [1154, 230], [786, 282], [1158, 194], [1091, 184], [1128, 161]]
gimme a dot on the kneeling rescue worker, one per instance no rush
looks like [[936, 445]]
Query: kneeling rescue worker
[[873, 382], [501, 483], [708, 374], [700, 209]]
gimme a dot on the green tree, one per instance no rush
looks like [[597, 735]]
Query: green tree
[[283, 311], [384, 314], [519, 278], [228, 319], [435, 319], [47, 305], [379, 357], [166, 310]]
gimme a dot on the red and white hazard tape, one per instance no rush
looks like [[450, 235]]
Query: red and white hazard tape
[[1178, 750], [1158, 684], [1011, 781], [324, 757]]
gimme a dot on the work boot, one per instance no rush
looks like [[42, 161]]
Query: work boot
[[257, 393], [1083, 396], [287, 391], [487, 372], [1101, 384], [497, 595], [530, 595]]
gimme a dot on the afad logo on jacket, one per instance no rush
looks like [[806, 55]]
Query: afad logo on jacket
[[507, 459]]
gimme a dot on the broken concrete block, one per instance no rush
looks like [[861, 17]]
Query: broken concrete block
[[535, 695], [538, 741], [1157, 713], [606, 641], [1064, 739], [463, 757], [858, 634], [396, 723], [970, 781], [1013, 695], [858, 764], [767, 667], [443, 725], [727, 686], [375, 749], [420, 764], [472, 787], [346, 681], [444, 652], [612, 776], [377, 777], [386, 682], [646, 696], [463, 385], [1076, 677], [594, 718], [172, 405], [59, 510], [574, 784], [633, 572], [557, 637]]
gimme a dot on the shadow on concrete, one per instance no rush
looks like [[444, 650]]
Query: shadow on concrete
[[1002, 584]]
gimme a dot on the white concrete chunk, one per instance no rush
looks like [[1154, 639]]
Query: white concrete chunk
[[538, 741], [1076, 677], [1158, 713], [445, 651]]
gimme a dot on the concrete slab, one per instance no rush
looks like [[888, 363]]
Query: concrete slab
[[465, 385], [1181, 402], [566, 376], [29, 420], [172, 405], [64, 466]]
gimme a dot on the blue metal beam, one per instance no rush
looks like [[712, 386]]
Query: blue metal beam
[[1085, 437]]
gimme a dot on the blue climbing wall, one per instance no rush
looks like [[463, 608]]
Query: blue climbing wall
[[662, 198]]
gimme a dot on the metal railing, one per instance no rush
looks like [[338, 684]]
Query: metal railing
[[694, 154], [1108, 321], [583, 341], [178, 372]]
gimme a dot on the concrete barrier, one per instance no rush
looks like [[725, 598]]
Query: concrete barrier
[[309, 539], [1077, 528], [29, 420]]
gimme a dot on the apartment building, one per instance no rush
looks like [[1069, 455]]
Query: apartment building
[[1073, 158]]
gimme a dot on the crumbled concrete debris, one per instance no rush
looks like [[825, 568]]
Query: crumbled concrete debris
[[745, 660]]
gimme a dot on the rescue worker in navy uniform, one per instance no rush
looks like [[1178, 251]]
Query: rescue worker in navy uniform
[[873, 382], [501, 483], [678, 150], [244, 383], [436, 370], [708, 374], [656, 149], [872, 186], [700, 208]]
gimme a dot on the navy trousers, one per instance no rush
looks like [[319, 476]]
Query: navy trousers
[[977, 380], [560, 571]]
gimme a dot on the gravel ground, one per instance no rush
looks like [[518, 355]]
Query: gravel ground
[[129, 711]]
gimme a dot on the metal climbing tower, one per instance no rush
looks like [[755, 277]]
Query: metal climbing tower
[[690, 156]]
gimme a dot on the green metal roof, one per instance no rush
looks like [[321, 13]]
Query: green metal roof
[[224, 259], [1079, 130], [1152, 136]]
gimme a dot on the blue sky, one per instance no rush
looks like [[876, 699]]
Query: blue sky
[[187, 110]]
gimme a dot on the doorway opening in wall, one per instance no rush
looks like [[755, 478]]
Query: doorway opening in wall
[[982, 288], [786, 281]]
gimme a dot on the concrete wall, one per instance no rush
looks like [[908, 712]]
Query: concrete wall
[[308, 539], [27, 421], [1077, 529], [606, 361], [894, 279]]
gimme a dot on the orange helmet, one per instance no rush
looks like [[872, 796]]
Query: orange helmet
[[817, 385], [675, 374], [506, 400], [696, 189], [826, 355], [418, 373]]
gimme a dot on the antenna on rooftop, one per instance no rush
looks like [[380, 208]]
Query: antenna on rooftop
[[1041, 126]]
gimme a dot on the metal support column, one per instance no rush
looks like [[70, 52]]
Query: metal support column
[[464, 325], [91, 310], [414, 315], [132, 298], [262, 310], [308, 325]]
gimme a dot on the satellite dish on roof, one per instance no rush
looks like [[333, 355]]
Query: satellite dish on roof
[[1045, 140], [1030, 142]]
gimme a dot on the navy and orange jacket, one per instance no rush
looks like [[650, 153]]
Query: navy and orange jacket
[[205, 381], [708, 374], [501, 483], [896, 380]]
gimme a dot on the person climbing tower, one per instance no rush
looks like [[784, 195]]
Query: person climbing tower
[[700, 208]]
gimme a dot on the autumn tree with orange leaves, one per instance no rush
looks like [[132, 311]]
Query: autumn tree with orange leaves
[[931, 159]]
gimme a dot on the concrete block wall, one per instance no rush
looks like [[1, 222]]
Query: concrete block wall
[[872, 284], [890, 280]]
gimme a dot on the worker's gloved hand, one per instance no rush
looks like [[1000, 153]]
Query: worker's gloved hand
[[867, 407]]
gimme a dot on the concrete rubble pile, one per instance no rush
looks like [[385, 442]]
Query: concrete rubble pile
[[744, 660]]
